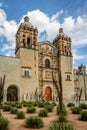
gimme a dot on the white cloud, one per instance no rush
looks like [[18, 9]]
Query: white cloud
[[2, 16], [38, 19], [77, 56], [8, 30], [76, 28], [8, 46], [45, 23], [56, 16], [68, 24]]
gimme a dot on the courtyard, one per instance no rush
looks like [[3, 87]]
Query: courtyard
[[18, 124]]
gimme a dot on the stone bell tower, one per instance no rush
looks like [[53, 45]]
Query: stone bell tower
[[26, 36], [27, 51], [65, 63]]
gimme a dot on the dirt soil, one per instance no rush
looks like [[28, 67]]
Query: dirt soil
[[18, 124]]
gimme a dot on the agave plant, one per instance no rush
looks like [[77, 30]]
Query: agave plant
[[59, 126], [2, 83]]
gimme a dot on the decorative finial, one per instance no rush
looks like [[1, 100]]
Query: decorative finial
[[26, 19], [60, 30]]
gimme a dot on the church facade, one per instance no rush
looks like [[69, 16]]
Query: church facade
[[37, 65]]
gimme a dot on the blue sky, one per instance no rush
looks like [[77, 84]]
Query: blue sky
[[48, 16]]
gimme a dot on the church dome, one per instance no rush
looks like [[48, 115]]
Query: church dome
[[26, 22]]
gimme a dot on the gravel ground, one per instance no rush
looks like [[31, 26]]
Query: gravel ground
[[18, 124]]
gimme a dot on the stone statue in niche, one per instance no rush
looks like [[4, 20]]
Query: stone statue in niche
[[47, 49], [50, 51], [41, 50], [40, 61]]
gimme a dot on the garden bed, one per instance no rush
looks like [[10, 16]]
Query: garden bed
[[18, 124]]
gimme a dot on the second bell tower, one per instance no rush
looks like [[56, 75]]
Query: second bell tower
[[65, 63]]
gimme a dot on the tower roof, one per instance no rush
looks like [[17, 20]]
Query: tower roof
[[26, 22], [61, 35]]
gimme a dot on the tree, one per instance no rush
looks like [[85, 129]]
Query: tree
[[58, 86]]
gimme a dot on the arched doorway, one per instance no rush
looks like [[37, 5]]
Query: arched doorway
[[48, 94], [12, 93]]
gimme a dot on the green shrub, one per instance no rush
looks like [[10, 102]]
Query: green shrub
[[70, 104], [6, 107], [33, 122], [19, 105], [30, 105], [13, 110], [10, 103], [4, 123], [35, 103], [46, 103], [7, 103], [53, 103], [75, 110], [49, 108], [20, 115], [13, 104], [41, 104], [0, 114], [59, 126], [62, 118], [24, 103], [63, 111], [83, 115], [31, 110], [83, 106], [30, 102], [43, 113], [1, 106]]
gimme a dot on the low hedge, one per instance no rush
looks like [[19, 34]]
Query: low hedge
[[83, 115], [83, 106], [76, 110], [49, 108], [4, 123], [6, 107], [19, 105], [41, 104], [31, 110], [13, 110], [70, 104], [20, 115], [43, 113], [33, 122]]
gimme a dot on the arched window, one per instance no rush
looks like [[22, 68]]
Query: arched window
[[28, 42], [47, 63]]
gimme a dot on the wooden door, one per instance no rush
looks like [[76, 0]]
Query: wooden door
[[48, 94]]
